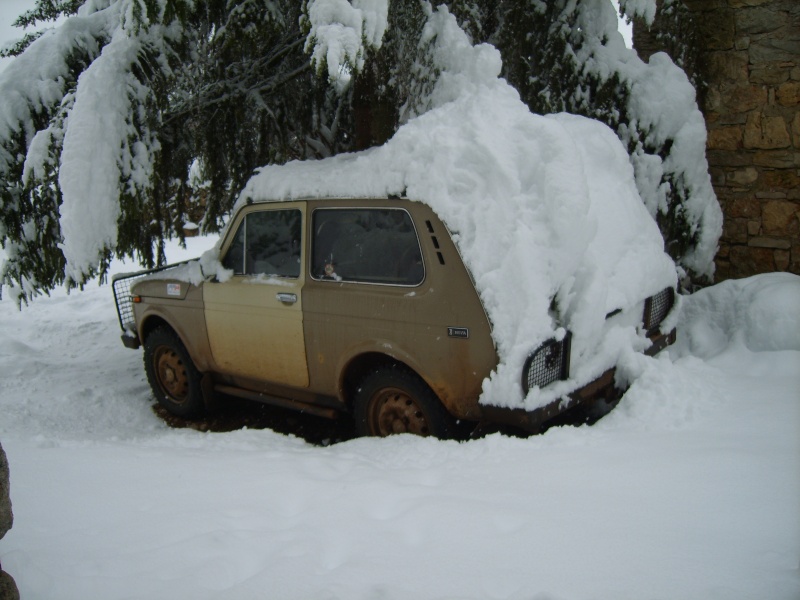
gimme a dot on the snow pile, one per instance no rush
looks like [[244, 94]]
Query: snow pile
[[760, 313], [751, 321], [540, 207]]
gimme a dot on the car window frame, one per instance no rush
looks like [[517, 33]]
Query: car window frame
[[241, 222], [312, 240]]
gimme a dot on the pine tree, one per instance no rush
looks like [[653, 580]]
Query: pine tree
[[160, 85], [103, 117]]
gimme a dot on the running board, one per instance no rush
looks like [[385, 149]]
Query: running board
[[303, 407]]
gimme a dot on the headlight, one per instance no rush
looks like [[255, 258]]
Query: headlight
[[549, 363], [657, 307]]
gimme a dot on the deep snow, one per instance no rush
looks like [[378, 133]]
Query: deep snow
[[688, 490]]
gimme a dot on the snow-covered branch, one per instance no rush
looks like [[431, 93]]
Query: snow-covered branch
[[262, 75], [340, 33]]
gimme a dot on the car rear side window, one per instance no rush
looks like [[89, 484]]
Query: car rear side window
[[267, 242], [366, 245]]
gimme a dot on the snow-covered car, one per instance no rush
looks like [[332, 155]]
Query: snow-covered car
[[335, 306], [484, 264]]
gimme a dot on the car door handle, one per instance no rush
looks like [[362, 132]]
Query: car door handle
[[287, 298]]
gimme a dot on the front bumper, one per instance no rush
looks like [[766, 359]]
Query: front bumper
[[534, 421], [131, 341]]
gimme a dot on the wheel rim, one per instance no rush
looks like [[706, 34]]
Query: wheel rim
[[171, 374], [393, 410]]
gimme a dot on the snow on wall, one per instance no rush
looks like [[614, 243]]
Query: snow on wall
[[540, 207]]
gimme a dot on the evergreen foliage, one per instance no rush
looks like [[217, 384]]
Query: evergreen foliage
[[676, 32], [221, 87], [226, 84]]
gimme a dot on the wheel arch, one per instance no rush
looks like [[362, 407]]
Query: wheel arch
[[393, 398], [361, 365], [153, 320]]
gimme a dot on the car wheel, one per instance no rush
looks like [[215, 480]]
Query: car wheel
[[394, 400], [172, 375]]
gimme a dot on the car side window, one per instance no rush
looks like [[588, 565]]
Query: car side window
[[267, 242], [367, 245]]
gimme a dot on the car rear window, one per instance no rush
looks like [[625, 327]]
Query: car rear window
[[366, 245]]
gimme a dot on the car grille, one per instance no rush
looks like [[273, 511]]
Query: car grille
[[122, 294], [657, 307], [122, 284], [549, 363]]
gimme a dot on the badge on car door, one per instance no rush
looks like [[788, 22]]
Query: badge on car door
[[458, 332]]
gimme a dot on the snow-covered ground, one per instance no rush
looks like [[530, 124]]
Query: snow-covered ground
[[689, 489]]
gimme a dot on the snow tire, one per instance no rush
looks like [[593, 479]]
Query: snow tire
[[172, 375], [396, 400]]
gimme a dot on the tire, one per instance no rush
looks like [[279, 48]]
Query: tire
[[172, 375], [395, 400]]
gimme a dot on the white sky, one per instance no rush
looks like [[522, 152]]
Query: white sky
[[9, 11]]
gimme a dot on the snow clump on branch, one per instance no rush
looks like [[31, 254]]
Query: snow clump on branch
[[73, 146], [340, 34]]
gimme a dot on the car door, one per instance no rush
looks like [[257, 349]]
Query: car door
[[255, 319], [364, 292]]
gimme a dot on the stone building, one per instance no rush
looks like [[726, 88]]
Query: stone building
[[747, 61]]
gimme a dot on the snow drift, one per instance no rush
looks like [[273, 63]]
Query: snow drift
[[758, 313], [696, 472]]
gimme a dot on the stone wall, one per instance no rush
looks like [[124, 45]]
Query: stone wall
[[749, 59]]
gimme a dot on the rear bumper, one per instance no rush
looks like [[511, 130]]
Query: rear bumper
[[533, 421]]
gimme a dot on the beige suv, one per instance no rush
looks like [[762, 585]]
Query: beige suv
[[335, 306]]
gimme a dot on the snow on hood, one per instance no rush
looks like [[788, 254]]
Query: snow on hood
[[540, 208]]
